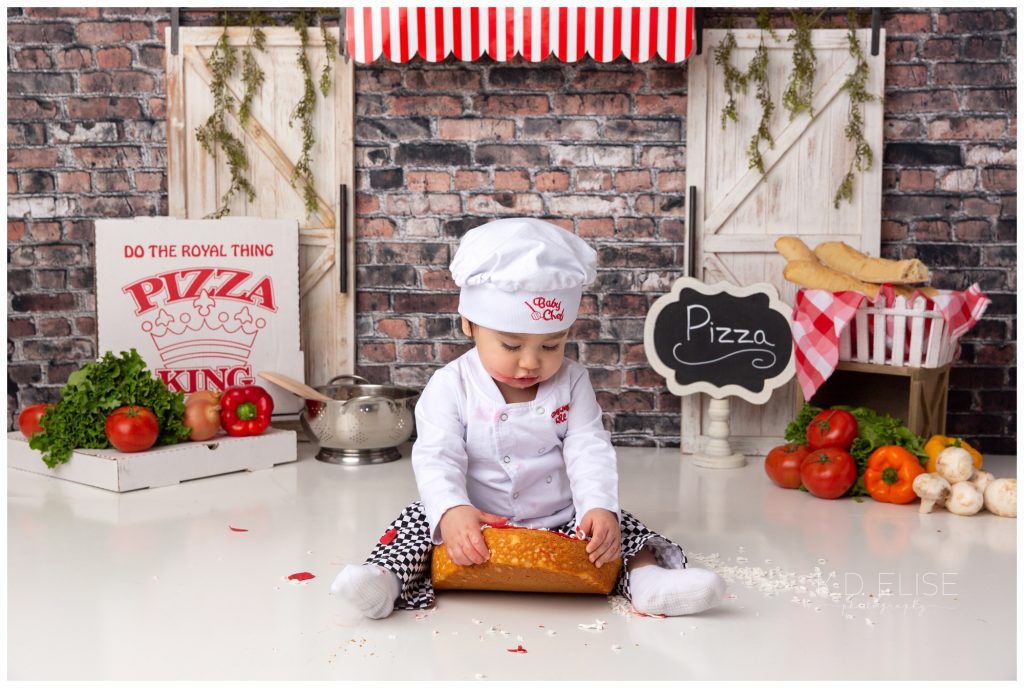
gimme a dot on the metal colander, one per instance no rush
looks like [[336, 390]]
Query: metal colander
[[364, 423]]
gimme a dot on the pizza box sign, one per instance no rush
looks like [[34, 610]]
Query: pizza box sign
[[208, 304]]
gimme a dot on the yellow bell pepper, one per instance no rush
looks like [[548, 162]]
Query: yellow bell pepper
[[939, 442]]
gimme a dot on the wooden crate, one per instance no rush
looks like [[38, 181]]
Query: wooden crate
[[917, 396], [905, 336]]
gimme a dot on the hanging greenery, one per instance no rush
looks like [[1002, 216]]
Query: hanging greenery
[[223, 63], [304, 113], [800, 88], [214, 131], [252, 73], [306, 106], [757, 72], [856, 86], [331, 45], [735, 80], [799, 93], [764, 22]]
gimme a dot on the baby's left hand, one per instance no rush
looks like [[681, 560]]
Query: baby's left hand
[[602, 526]]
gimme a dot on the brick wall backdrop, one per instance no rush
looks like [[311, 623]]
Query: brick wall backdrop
[[597, 148]]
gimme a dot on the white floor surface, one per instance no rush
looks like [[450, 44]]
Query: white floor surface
[[155, 584]]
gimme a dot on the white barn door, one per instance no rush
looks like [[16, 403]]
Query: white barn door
[[740, 213], [273, 146]]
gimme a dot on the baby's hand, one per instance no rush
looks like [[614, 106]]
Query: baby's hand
[[460, 530], [602, 527]]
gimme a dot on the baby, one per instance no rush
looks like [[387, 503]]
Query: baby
[[512, 430]]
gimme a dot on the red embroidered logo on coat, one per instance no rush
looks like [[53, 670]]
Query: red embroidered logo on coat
[[545, 309], [561, 414]]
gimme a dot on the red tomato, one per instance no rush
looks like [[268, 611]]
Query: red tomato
[[828, 473], [28, 419], [832, 428], [132, 429], [783, 464]]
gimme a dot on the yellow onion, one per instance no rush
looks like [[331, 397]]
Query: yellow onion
[[202, 415]]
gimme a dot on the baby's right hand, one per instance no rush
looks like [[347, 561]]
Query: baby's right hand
[[460, 530]]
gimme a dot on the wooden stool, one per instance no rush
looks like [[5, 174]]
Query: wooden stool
[[917, 396]]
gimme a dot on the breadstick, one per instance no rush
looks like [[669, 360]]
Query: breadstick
[[817, 276], [907, 292], [838, 256], [793, 248]]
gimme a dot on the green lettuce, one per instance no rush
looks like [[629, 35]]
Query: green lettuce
[[96, 390]]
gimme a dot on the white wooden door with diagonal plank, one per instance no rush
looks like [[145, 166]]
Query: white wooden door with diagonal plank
[[741, 213], [273, 144]]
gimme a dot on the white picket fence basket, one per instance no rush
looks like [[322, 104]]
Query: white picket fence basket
[[912, 336]]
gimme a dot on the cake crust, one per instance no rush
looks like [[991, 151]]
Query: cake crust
[[527, 560]]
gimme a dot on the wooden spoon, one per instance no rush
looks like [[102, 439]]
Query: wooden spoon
[[294, 386]]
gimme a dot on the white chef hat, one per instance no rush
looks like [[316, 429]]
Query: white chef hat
[[522, 275]]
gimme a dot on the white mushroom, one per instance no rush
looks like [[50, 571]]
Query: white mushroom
[[955, 464], [965, 499], [981, 479], [1001, 497], [933, 490]]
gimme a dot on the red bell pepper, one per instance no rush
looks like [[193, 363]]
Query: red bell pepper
[[246, 410]]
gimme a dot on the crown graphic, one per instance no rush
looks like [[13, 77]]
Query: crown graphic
[[201, 330]]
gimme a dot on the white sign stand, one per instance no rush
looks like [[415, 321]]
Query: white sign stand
[[718, 451]]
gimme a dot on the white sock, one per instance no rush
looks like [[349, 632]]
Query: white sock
[[674, 592], [369, 588]]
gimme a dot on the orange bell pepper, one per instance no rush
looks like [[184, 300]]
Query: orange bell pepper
[[890, 474], [939, 442]]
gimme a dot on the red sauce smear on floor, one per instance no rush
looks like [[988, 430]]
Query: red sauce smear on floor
[[634, 612], [301, 576], [239, 530], [520, 649]]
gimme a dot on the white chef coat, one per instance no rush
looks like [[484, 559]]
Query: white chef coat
[[535, 462]]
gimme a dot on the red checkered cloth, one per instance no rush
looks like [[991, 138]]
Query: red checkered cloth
[[820, 317]]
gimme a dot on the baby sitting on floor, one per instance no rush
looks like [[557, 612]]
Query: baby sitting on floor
[[511, 430]]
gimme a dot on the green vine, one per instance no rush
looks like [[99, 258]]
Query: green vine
[[799, 93], [764, 22], [214, 131], [304, 113], [735, 80], [252, 73], [223, 63], [331, 45], [856, 86], [757, 72], [800, 88]]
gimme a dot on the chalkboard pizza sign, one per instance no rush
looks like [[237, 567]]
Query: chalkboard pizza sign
[[721, 339]]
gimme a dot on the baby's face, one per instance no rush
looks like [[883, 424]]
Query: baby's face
[[518, 360]]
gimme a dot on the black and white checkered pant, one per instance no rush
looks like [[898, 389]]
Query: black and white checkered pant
[[407, 552]]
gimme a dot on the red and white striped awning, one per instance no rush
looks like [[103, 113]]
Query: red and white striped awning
[[400, 33]]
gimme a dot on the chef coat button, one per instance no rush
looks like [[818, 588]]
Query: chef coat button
[[540, 410], [515, 495], [506, 459], [548, 479], [541, 450], [504, 416]]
